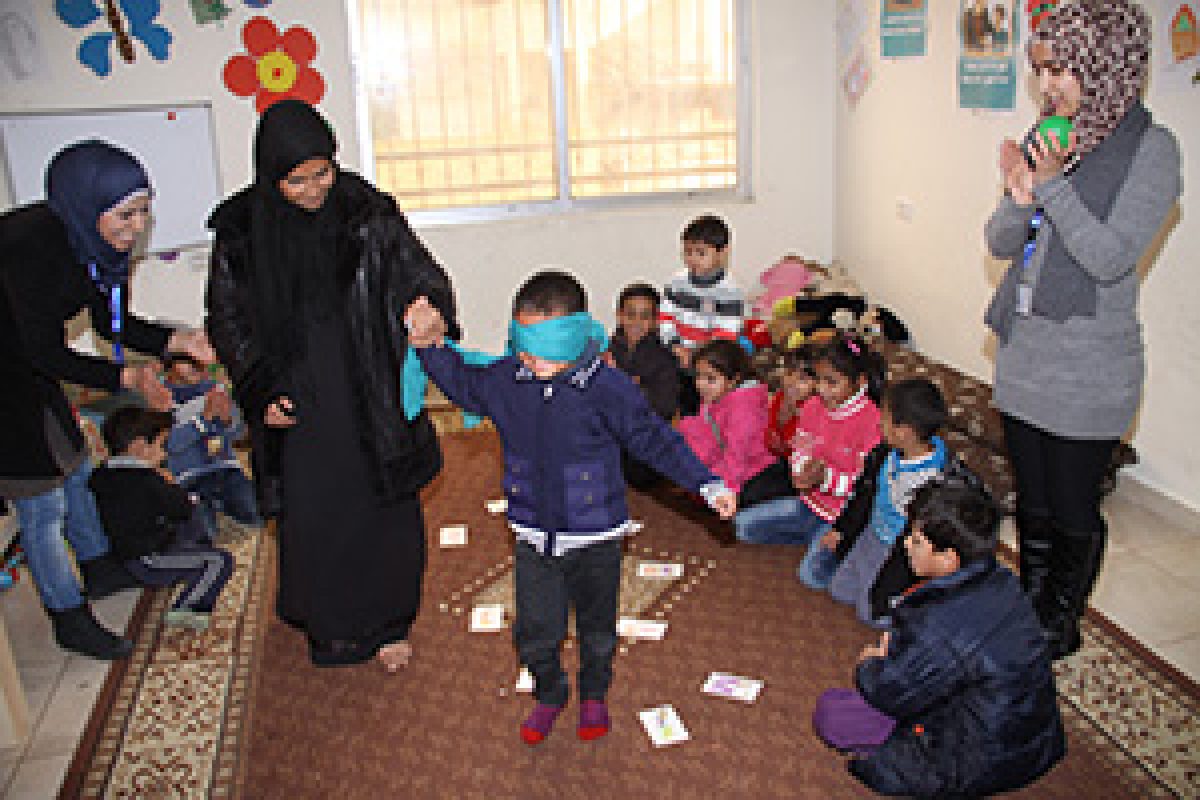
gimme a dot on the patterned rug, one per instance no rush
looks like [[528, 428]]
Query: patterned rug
[[239, 711]]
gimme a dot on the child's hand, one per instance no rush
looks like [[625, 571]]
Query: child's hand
[[725, 504], [876, 650], [218, 405], [810, 476], [144, 380], [831, 540], [683, 355], [281, 414], [426, 327]]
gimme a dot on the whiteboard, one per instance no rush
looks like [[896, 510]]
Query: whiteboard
[[174, 143]]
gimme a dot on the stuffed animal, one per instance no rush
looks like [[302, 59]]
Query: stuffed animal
[[788, 276]]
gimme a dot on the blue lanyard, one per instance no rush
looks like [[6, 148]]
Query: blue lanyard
[[114, 312], [1035, 225]]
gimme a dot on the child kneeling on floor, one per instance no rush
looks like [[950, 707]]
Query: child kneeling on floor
[[154, 525], [563, 416], [957, 699]]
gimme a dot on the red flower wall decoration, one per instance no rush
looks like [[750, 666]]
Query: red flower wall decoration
[[276, 67]]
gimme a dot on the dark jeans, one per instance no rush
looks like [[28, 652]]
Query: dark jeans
[[689, 396], [588, 579], [1057, 477], [226, 490], [203, 569]]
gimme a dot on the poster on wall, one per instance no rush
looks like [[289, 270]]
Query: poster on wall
[[988, 39], [21, 56], [854, 65], [121, 22], [1176, 45], [275, 65], [902, 28], [208, 11]]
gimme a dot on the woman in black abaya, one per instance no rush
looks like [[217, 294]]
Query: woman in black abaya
[[311, 271]]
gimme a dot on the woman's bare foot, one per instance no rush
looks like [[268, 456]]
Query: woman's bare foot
[[395, 655]]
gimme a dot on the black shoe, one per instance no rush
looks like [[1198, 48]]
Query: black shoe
[[1077, 560], [106, 576], [75, 629]]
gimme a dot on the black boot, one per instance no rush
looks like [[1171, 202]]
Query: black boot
[[75, 629], [1077, 560], [1035, 538], [105, 575]]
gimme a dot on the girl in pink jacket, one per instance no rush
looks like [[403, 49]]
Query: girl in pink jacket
[[729, 433], [836, 430]]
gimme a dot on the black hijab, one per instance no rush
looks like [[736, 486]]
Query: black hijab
[[294, 251]]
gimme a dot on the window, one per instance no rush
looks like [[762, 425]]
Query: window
[[519, 104]]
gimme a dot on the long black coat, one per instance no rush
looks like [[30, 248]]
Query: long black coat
[[383, 269], [42, 286]]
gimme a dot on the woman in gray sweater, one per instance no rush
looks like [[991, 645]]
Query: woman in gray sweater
[[1075, 219]]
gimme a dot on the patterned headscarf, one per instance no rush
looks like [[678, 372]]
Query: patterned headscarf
[[1106, 45]]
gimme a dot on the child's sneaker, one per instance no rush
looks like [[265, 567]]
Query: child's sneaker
[[538, 724], [187, 618], [593, 720]]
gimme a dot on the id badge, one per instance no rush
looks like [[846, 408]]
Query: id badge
[[1024, 299]]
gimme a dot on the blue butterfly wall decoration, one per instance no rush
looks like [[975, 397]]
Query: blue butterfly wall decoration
[[139, 15]]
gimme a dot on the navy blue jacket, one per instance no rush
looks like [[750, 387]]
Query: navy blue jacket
[[188, 454], [563, 437], [968, 680]]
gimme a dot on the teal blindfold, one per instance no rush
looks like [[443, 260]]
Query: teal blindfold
[[557, 339]]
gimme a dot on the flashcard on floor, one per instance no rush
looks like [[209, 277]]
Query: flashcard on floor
[[453, 536], [734, 687], [631, 628], [663, 726], [487, 618], [524, 681], [497, 506], [659, 569], [635, 526]]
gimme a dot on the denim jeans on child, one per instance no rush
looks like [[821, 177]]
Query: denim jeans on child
[[229, 491], [45, 519], [587, 579], [788, 520]]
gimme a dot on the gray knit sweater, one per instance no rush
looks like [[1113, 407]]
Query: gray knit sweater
[[1082, 378]]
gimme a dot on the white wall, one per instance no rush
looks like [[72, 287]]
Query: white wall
[[908, 139], [793, 170]]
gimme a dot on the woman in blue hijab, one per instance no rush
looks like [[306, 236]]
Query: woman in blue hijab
[[58, 258]]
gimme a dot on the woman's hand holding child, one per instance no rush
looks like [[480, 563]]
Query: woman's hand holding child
[[426, 328]]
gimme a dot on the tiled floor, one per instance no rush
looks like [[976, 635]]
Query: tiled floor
[[1150, 586]]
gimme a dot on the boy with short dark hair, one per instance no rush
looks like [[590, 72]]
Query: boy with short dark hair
[[200, 445], [564, 417], [867, 530], [638, 352], [958, 698], [153, 523], [701, 302]]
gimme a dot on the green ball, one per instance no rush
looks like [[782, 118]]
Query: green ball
[[1059, 126]]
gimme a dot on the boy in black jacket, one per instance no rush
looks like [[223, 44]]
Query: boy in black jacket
[[638, 352], [154, 525]]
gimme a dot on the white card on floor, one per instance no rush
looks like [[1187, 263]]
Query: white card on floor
[[722, 684], [497, 506], [631, 628], [663, 725], [635, 526], [524, 681], [487, 618], [659, 569], [453, 536]]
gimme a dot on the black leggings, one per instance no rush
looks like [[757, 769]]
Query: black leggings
[[1058, 477]]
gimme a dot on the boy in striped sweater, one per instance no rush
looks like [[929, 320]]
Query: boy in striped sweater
[[701, 302]]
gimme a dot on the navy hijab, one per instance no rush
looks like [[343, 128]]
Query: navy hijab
[[83, 181]]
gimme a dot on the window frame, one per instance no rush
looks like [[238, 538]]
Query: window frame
[[742, 191]]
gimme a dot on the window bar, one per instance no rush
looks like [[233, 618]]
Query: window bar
[[413, 101], [498, 127], [558, 84], [677, 72], [441, 90], [464, 32], [743, 99]]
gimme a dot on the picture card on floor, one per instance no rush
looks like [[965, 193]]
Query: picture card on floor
[[497, 506], [659, 569], [722, 684], [663, 726], [453, 536], [635, 526], [631, 628], [487, 618], [524, 681]]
